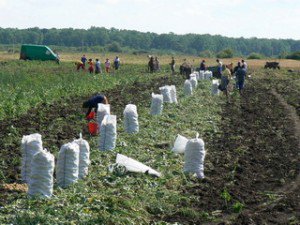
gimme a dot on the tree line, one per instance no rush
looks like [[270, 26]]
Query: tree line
[[117, 40]]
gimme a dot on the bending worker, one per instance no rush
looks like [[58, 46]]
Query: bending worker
[[93, 103]]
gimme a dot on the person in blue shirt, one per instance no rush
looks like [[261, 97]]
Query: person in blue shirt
[[202, 65], [93, 102], [83, 60]]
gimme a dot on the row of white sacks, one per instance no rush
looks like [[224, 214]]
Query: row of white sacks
[[38, 164], [73, 160]]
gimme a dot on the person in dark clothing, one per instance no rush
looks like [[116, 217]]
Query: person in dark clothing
[[117, 63], [83, 60], [172, 64], [240, 78], [93, 102], [151, 65], [202, 65]]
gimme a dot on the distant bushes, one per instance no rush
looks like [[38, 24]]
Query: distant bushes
[[294, 55], [226, 53], [255, 55]]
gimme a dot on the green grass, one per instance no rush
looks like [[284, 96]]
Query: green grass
[[24, 84], [106, 198]]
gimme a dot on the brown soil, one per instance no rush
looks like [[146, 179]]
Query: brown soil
[[255, 159]]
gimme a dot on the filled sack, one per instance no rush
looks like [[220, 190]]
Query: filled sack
[[156, 104], [30, 145], [173, 94], [84, 157], [67, 168], [103, 109], [131, 123], [166, 92], [108, 133], [194, 157], [41, 175], [215, 87], [188, 88]]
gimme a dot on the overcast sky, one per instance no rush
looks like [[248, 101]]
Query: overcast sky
[[232, 18]]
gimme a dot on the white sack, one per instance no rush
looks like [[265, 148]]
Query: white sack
[[41, 175], [156, 104], [67, 164], [194, 157], [179, 144], [135, 166], [131, 123], [194, 82], [103, 109], [30, 145], [84, 157], [215, 87], [173, 94], [201, 75], [108, 133], [188, 88], [166, 92], [208, 74]]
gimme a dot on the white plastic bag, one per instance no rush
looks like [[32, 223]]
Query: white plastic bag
[[84, 157], [108, 133], [67, 164], [156, 104], [166, 92], [188, 88], [31, 144], [173, 94], [194, 82], [135, 166], [131, 123], [179, 144], [194, 157], [103, 109], [41, 175], [215, 87]]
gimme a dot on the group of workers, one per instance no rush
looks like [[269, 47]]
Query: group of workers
[[96, 66], [226, 74]]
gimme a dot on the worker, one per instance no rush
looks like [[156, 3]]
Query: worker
[[219, 68], [83, 60], [79, 65], [172, 64], [98, 66], [91, 67], [240, 77], [107, 66], [117, 63], [202, 65], [93, 102], [225, 79], [151, 64]]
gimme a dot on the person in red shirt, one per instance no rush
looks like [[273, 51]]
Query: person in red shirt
[[91, 67]]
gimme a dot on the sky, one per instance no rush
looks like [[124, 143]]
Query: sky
[[278, 19]]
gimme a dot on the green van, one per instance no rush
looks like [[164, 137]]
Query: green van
[[37, 52]]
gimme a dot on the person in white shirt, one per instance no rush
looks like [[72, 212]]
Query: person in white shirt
[[244, 65]]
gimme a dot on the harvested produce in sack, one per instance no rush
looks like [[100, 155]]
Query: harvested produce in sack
[[30, 145], [108, 133], [166, 92], [84, 157], [215, 87], [103, 109], [41, 175], [67, 168], [156, 104], [131, 123], [194, 157], [188, 88]]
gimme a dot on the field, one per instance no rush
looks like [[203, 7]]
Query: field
[[252, 143]]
